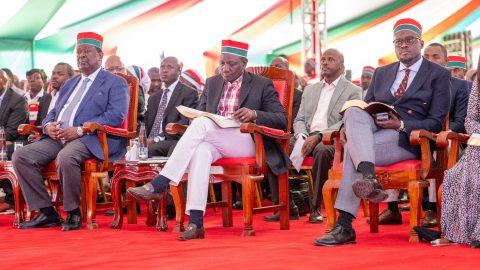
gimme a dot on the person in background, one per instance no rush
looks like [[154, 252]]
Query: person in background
[[13, 112], [15, 83], [457, 65], [155, 81], [36, 82], [194, 79], [366, 78], [60, 74]]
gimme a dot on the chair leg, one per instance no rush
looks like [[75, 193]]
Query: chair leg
[[92, 188], [227, 216], [151, 216], [373, 217], [283, 199], [116, 192], [258, 194], [310, 181], [162, 224], [179, 201], [247, 198], [328, 200], [211, 191], [19, 201], [365, 208], [415, 209]]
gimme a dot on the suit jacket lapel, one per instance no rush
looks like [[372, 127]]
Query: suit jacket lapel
[[420, 77], [390, 76], [63, 99], [92, 90], [245, 89], [5, 101], [337, 92], [214, 94], [315, 98], [175, 94]]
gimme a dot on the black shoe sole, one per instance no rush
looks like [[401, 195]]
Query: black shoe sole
[[320, 244], [315, 221], [378, 195], [71, 229], [363, 188], [141, 198]]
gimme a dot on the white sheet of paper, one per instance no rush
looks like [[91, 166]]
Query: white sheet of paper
[[296, 156]]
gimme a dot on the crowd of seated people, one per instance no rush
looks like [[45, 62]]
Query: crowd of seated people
[[423, 88]]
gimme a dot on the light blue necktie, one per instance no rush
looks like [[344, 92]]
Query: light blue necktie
[[71, 106]]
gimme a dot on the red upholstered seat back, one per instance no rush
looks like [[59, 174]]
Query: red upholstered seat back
[[280, 86], [130, 122]]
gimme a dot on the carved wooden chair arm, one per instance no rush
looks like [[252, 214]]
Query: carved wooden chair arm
[[444, 136], [175, 128], [329, 137], [263, 130], [25, 129]]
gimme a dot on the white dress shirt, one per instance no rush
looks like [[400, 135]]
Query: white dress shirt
[[89, 84], [53, 100], [36, 98], [171, 87], [401, 73], [320, 119]]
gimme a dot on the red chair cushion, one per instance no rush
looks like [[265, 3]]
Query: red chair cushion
[[250, 161], [281, 87], [308, 161]]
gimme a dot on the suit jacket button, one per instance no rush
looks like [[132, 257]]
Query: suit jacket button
[[409, 112]]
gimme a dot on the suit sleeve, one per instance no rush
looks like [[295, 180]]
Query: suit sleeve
[[18, 115], [191, 101], [459, 112], [141, 105], [117, 106], [272, 113], [440, 105], [369, 97], [202, 103]]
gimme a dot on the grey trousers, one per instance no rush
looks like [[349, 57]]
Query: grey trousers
[[365, 142], [29, 161]]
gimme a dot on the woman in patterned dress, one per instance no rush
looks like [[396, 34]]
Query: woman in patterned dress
[[461, 185]]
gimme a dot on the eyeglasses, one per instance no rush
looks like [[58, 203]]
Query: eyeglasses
[[408, 41]]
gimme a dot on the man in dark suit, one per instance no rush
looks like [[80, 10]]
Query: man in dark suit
[[419, 90], [13, 112], [95, 96], [235, 93], [60, 74], [460, 91], [161, 108]]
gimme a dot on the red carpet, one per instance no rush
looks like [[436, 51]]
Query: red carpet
[[137, 246]]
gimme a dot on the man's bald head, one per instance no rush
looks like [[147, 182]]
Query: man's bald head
[[332, 65], [337, 53], [114, 64], [280, 62]]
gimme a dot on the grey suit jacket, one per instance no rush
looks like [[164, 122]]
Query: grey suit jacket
[[343, 92]]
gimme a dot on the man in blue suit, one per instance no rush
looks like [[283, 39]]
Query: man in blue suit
[[419, 90], [95, 96]]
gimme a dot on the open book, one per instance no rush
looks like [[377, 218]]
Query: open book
[[221, 121], [372, 108]]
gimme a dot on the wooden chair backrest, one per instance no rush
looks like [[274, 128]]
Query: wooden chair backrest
[[284, 83], [130, 122]]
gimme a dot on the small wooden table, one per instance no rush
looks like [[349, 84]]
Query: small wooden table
[[131, 173], [7, 173]]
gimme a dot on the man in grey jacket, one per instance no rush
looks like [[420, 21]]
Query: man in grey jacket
[[320, 112]]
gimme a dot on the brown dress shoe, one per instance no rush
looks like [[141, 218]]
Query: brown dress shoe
[[430, 220], [145, 193], [191, 232], [388, 217], [4, 207]]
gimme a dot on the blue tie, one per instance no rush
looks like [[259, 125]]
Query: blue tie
[[157, 124], [67, 114]]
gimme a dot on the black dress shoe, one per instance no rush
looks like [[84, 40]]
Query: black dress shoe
[[145, 193], [276, 217], [475, 244], [430, 219], [369, 188], [73, 222], [388, 217], [427, 234], [315, 216], [41, 221], [337, 236]]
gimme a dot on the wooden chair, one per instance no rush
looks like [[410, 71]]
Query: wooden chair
[[248, 171], [93, 169], [409, 174]]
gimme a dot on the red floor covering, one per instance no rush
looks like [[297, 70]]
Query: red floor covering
[[137, 246]]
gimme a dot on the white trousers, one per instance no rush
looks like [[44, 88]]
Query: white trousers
[[201, 145]]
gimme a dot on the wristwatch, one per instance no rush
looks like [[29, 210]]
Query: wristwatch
[[79, 131]]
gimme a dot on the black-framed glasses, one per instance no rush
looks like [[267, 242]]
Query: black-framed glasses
[[409, 41]]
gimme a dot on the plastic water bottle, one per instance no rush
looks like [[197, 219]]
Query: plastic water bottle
[[3, 145], [142, 143]]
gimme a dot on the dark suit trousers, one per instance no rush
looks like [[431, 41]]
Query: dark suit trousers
[[29, 161], [162, 148], [322, 162]]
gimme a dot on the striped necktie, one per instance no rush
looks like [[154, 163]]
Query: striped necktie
[[157, 124], [403, 85], [67, 114]]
